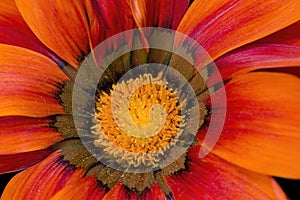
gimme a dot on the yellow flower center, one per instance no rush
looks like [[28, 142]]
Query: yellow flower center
[[145, 126]]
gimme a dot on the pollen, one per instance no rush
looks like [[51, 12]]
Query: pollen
[[138, 120]]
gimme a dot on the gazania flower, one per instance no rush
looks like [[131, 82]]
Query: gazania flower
[[254, 43]]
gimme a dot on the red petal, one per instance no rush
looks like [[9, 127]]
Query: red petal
[[96, 24], [23, 134], [117, 192], [116, 16], [261, 131], [41, 181], [214, 178], [159, 13], [14, 30], [16, 162], [139, 12], [103, 16], [133, 195], [281, 49], [288, 35], [29, 83], [258, 56], [220, 26], [155, 193], [60, 25]]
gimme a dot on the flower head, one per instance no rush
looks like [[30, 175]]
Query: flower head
[[114, 122]]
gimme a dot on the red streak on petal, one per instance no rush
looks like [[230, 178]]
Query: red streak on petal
[[15, 162]]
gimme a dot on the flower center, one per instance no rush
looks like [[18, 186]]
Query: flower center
[[139, 121], [135, 131], [148, 125]]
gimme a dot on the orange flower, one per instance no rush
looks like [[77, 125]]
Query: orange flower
[[255, 45]]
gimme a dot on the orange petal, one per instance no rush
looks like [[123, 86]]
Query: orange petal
[[23, 134], [14, 30], [29, 83], [84, 189], [220, 26], [16, 162], [41, 181], [261, 131], [256, 56], [214, 178], [60, 25]]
